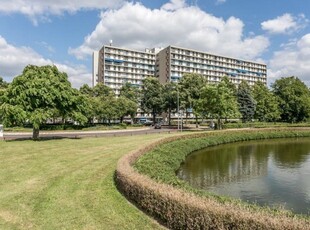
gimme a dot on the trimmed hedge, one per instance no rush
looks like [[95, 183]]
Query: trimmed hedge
[[162, 195]]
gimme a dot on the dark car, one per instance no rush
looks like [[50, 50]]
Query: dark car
[[157, 126]]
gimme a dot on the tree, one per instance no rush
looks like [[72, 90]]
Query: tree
[[125, 107], [190, 86], [101, 90], [170, 96], [218, 101], [152, 96], [130, 92], [86, 90], [3, 84], [294, 99], [267, 107], [246, 102], [38, 94]]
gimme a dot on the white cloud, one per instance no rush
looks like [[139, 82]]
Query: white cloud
[[174, 5], [293, 60], [14, 59], [35, 9], [137, 27], [284, 24]]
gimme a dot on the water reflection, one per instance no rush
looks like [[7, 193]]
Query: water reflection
[[269, 172]]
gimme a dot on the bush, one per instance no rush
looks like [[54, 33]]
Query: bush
[[161, 194]]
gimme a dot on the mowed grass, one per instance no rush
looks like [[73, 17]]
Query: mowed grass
[[67, 184]]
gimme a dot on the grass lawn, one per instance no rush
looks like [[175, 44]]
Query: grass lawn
[[67, 184]]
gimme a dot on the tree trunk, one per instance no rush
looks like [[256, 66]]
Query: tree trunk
[[35, 134], [154, 118], [169, 116], [219, 125], [196, 117]]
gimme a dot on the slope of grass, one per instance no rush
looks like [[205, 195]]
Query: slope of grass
[[67, 184]]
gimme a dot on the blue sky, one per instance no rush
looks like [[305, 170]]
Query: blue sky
[[66, 32]]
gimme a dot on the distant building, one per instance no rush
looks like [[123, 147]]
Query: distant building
[[173, 62], [115, 66]]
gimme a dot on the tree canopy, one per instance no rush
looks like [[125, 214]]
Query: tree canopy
[[219, 101], [38, 94], [247, 104], [294, 99], [152, 96], [267, 107]]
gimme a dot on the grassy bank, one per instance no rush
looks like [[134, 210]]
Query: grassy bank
[[175, 205], [67, 184]]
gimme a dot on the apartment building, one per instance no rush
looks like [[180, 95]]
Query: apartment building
[[115, 66], [173, 62]]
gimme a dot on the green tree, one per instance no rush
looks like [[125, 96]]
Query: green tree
[[86, 90], [131, 92], [125, 107], [37, 94], [3, 84], [152, 96], [294, 99], [246, 102], [219, 102], [267, 107], [170, 96], [101, 90], [190, 86], [3, 87]]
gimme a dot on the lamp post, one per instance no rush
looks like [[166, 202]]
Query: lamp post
[[178, 108]]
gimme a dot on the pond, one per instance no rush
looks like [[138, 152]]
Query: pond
[[267, 172]]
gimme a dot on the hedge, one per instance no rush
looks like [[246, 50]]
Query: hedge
[[162, 195]]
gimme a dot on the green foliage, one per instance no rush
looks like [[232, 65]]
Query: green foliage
[[247, 104], [152, 96], [294, 99], [218, 101], [267, 107], [170, 95], [3, 84], [40, 93], [190, 86], [130, 92], [101, 90]]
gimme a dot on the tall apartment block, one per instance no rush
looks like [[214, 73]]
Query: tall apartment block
[[115, 66], [173, 62]]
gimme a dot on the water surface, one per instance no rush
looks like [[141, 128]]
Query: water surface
[[268, 172]]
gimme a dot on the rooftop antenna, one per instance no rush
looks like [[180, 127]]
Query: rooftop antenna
[[111, 41]]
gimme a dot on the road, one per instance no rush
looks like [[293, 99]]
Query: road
[[81, 134]]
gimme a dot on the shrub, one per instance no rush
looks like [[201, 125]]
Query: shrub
[[161, 194]]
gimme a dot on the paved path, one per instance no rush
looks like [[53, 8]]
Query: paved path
[[80, 134]]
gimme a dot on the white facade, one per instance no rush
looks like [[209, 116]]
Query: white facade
[[95, 67], [116, 66], [173, 62]]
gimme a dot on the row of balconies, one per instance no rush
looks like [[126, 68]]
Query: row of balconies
[[212, 67], [181, 54], [216, 70], [129, 71], [177, 61], [120, 60], [126, 53]]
